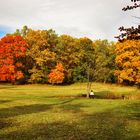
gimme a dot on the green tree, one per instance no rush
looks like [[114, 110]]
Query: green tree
[[67, 54], [20, 32], [105, 61], [87, 60]]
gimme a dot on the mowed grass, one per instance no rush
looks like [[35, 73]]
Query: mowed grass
[[45, 112]]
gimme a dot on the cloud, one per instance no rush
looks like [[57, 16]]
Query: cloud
[[91, 18]]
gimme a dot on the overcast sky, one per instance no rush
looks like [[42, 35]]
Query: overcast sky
[[96, 19]]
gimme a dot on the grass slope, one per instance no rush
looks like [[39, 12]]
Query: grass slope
[[44, 112]]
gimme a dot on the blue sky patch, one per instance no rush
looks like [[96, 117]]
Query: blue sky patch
[[4, 30]]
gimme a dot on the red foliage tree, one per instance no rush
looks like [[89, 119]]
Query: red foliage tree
[[12, 51], [57, 75]]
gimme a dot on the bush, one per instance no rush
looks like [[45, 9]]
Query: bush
[[133, 96], [111, 95]]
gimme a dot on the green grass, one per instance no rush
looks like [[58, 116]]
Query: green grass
[[44, 112]]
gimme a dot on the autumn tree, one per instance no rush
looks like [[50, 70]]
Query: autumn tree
[[83, 60], [12, 52], [128, 61], [56, 76], [40, 54], [128, 51]]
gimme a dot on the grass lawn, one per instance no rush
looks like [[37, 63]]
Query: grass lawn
[[44, 112]]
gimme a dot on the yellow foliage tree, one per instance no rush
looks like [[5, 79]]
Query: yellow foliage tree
[[128, 61]]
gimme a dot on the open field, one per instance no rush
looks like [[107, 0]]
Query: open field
[[45, 112]]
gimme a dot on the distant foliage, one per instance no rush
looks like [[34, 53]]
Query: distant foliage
[[128, 61], [104, 61], [67, 52], [40, 54], [56, 76], [12, 51], [84, 69], [98, 58], [44, 57]]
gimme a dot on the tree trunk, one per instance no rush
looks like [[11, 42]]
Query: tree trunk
[[88, 88], [88, 83], [13, 82]]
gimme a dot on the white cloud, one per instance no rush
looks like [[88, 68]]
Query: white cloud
[[91, 18]]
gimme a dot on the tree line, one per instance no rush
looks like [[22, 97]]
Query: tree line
[[42, 56]]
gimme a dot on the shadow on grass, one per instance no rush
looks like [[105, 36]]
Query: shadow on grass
[[29, 109], [4, 86], [48, 131], [5, 101], [104, 95], [4, 123], [134, 111], [107, 125], [21, 110], [101, 94], [108, 95]]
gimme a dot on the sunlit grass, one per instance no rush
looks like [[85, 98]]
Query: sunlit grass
[[45, 112]]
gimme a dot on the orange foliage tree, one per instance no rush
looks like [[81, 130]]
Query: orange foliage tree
[[56, 75], [12, 51], [128, 61]]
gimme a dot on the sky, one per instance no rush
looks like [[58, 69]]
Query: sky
[[95, 19]]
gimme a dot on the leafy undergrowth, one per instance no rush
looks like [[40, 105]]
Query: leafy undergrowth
[[44, 112]]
